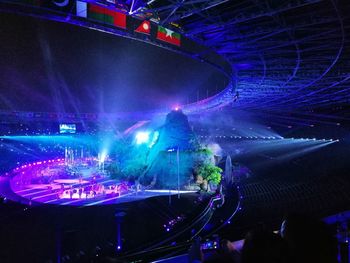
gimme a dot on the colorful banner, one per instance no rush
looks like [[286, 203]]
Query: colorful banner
[[169, 36], [106, 15], [144, 28]]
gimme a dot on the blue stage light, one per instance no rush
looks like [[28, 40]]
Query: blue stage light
[[154, 139], [142, 137]]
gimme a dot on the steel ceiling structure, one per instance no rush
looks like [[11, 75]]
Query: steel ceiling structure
[[286, 55]]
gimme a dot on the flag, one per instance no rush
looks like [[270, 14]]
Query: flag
[[169, 36], [105, 15], [144, 28], [81, 9]]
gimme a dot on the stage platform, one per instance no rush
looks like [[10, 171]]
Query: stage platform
[[37, 196], [47, 182]]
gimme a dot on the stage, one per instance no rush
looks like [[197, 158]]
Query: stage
[[82, 183]]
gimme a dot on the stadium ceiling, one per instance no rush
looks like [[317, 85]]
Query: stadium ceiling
[[286, 55]]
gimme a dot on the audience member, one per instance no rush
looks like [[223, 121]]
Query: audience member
[[309, 240], [261, 245]]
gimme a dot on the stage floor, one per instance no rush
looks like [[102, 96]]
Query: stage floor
[[37, 196], [48, 183]]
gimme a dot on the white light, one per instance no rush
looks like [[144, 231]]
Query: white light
[[145, 26], [142, 137], [102, 157]]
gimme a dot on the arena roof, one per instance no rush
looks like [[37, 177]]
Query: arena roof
[[286, 54]]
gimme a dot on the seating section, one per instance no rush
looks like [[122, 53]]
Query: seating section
[[269, 199]]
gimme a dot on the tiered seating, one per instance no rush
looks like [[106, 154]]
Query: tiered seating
[[268, 199]]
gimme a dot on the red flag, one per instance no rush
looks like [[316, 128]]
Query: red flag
[[144, 28], [169, 36], [107, 16]]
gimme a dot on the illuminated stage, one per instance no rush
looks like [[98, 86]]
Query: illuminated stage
[[83, 183]]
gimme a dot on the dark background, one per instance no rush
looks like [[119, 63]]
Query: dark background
[[51, 66]]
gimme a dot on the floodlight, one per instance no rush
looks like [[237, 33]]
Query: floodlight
[[142, 137]]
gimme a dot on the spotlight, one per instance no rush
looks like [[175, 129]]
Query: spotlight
[[142, 137]]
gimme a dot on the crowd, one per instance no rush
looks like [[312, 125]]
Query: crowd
[[301, 239]]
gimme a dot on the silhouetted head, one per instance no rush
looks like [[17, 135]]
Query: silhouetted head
[[309, 239], [261, 245]]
